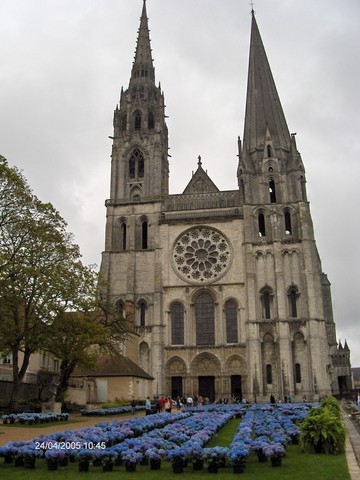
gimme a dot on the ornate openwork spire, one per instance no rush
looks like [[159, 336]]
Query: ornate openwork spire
[[263, 107], [143, 67]]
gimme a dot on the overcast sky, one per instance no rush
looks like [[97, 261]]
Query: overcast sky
[[63, 62]]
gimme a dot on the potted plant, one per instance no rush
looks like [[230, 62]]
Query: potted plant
[[155, 455], [83, 457], [275, 451], [177, 456], [237, 456], [214, 457], [131, 457]]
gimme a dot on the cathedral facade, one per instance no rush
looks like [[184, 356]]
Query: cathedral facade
[[224, 288]]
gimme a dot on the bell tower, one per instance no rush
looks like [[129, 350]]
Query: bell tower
[[139, 168]]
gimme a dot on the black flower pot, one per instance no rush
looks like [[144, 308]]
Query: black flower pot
[[155, 464], [213, 467], [130, 467], [108, 467], [84, 466], [29, 462], [52, 465], [275, 461], [198, 465], [178, 467]]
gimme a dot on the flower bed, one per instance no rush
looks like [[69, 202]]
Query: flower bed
[[101, 412], [31, 418], [178, 438]]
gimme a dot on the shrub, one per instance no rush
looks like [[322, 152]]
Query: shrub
[[323, 431]]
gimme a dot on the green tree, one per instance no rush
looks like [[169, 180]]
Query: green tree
[[40, 271]]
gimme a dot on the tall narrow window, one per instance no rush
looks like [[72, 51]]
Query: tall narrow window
[[231, 322], [272, 191], [297, 373], [144, 235], [266, 300], [288, 226], [132, 167], [151, 121], [137, 122], [205, 321], [124, 122], [262, 229], [293, 296], [120, 309], [177, 324], [269, 151], [123, 237], [142, 308], [268, 374], [136, 164]]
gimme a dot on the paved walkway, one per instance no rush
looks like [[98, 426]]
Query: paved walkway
[[8, 433], [352, 447]]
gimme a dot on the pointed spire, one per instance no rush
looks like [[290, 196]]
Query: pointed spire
[[263, 107], [143, 63]]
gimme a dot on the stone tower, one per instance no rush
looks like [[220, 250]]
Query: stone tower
[[228, 291]]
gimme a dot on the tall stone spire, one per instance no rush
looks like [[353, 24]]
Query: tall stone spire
[[143, 63], [264, 115]]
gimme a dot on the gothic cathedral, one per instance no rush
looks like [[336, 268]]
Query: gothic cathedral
[[225, 288]]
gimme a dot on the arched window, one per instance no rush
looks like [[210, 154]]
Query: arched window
[[268, 374], [124, 122], [137, 121], [266, 302], [272, 191], [144, 235], [262, 228], [136, 164], [123, 236], [205, 321], [268, 148], [297, 373], [151, 121], [231, 322], [177, 324], [120, 308], [132, 166], [293, 296], [142, 310], [287, 220]]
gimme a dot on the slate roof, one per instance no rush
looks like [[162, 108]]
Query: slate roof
[[113, 366]]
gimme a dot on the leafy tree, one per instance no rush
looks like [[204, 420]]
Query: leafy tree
[[41, 274], [78, 338]]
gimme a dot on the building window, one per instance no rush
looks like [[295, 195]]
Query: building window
[[266, 303], [136, 164], [268, 374], [293, 296], [297, 373], [231, 322], [268, 148], [151, 121], [6, 360], [262, 228], [123, 122], [205, 321], [272, 191], [177, 324], [123, 237], [144, 235], [287, 219], [137, 121], [120, 308], [142, 309]]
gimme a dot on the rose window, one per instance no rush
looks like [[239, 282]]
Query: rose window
[[201, 255]]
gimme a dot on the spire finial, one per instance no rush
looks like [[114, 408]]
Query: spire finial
[[252, 8], [199, 162]]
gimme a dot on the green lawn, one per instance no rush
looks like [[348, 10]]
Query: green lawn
[[295, 466]]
